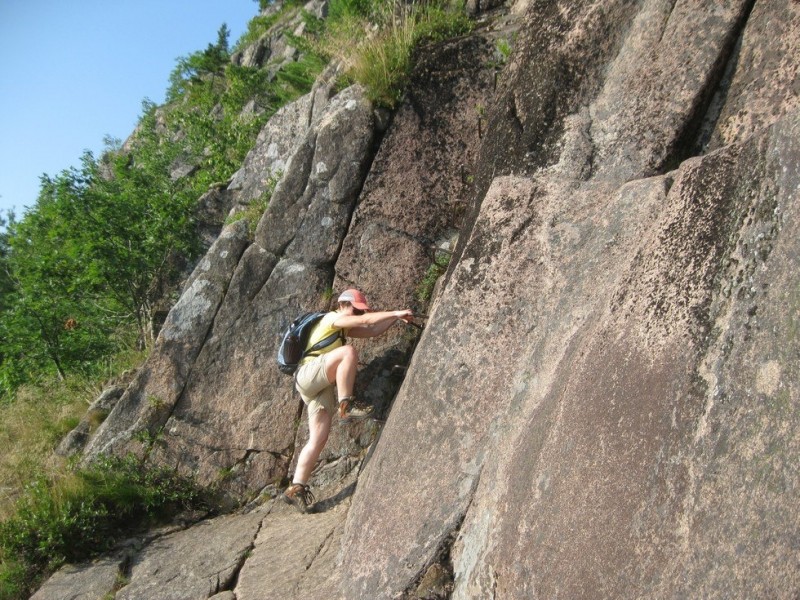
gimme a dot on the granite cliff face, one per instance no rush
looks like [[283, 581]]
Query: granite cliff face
[[603, 402]]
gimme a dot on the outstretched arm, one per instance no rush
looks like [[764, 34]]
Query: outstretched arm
[[371, 324]]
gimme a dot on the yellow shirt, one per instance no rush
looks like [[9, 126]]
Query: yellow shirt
[[322, 330]]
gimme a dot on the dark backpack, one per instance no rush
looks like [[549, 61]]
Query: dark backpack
[[293, 347]]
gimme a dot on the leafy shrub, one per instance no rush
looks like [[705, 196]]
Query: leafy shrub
[[296, 78], [13, 577], [84, 513]]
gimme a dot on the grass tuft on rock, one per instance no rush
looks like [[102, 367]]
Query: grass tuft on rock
[[375, 42]]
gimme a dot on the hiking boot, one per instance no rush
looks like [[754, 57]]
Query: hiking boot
[[300, 495], [351, 410]]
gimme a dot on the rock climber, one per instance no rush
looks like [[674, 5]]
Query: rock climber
[[334, 366]]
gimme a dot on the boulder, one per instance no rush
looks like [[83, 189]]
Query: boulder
[[270, 50], [321, 179], [76, 440], [236, 309], [276, 143]]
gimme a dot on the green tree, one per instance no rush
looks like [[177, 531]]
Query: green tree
[[104, 240], [140, 225], [52, 315], [6, 285], [198, 66], [95, 253]]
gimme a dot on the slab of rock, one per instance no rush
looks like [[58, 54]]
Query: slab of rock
[[150, 398], [463, 371], [737, 522], [196, 563], [627, 429], [640, 458], [413, 199], [295, 556], [764, 83], [321, 179], [419, 182], [87, 581], [277, 142], [238, 415], [659, 85], [637, 72]]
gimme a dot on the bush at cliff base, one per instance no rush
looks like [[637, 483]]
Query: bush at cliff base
[[84, 514]]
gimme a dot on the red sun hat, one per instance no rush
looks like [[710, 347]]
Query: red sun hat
[[354, 297]]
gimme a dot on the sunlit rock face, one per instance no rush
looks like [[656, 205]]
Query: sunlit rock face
[[603, 402]]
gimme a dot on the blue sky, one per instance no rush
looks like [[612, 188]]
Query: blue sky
[[74, 71]]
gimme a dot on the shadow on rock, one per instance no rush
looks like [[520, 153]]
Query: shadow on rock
[[334, 501]]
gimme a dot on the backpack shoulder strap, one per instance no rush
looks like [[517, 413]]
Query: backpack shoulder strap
[[325, 342]]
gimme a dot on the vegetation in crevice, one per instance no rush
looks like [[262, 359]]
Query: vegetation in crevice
[[437, 268], [262, 24], [253, 212]]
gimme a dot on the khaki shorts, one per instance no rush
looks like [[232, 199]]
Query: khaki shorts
[[315, 390]]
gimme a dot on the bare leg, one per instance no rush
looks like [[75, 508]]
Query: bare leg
[[340, 368], [319, 426]]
